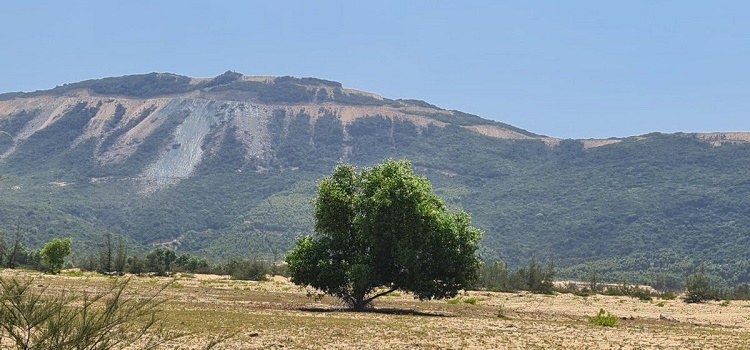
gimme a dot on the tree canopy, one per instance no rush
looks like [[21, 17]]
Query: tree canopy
[[54, 252], [382, 227]]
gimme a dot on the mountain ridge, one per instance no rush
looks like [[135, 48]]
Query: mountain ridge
[[173, 85]]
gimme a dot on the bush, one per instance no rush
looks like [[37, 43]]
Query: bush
[[534, 278], [35, 319], [699, 288], [632, 291], [604, 318], [472, 301], [249, 270], [668, 296]]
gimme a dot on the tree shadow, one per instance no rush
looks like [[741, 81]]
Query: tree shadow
[[385, 311]]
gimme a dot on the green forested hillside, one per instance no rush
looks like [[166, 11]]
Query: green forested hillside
[[646, 209]]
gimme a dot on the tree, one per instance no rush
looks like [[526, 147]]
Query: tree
[[699, 287], [105, 254], [160, 260], [53, 254], [15, 250], [383, 227], [121, 258]]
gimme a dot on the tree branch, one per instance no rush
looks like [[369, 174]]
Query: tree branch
[[393, 289]]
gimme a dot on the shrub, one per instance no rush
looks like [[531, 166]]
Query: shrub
[[668, 295], [699, 288], [604, 318], [632, 291], [35, 319], [471, 301], [249, 270]]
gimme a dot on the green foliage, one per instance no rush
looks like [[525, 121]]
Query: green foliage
[[699, 288], [249, 270], [630, 290], [52, 148], [160, 261], [494, 277], [740, 292], [53, 254], [534, 278], [603, 318], [471, 301], [383, 226], [188, 263], [10, 126], [33, 318]]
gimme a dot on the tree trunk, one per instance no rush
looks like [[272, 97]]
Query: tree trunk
[[360, 303]]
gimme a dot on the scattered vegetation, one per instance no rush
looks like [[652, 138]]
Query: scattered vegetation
[[535, 278], [603, 318]]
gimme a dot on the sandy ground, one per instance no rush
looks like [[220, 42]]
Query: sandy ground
[[278, 314]]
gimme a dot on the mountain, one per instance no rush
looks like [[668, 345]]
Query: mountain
[[228, 166]]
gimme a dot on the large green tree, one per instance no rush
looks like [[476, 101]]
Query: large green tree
[[382, 227]]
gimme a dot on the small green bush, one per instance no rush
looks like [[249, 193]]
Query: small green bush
[[668, 296], [699, 288], [471, 300], [604, 318]]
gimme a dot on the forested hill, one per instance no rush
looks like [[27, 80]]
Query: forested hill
[[227, 166]]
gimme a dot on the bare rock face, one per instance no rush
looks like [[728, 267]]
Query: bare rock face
[[198, 119]]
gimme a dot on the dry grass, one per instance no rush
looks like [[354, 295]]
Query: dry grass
[[277, 314]]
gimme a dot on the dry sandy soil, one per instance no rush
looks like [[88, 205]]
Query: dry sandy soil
[[278, 314]]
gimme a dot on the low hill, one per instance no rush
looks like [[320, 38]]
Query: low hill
[[227, 166]]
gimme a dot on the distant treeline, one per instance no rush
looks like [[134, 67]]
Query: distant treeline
[[539, 278], [114, 258]]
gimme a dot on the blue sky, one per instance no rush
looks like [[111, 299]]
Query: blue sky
[[571, 69]]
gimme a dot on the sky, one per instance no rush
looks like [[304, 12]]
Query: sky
[[568, 69]]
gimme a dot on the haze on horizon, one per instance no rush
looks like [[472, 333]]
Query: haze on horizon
[[582, 69]]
